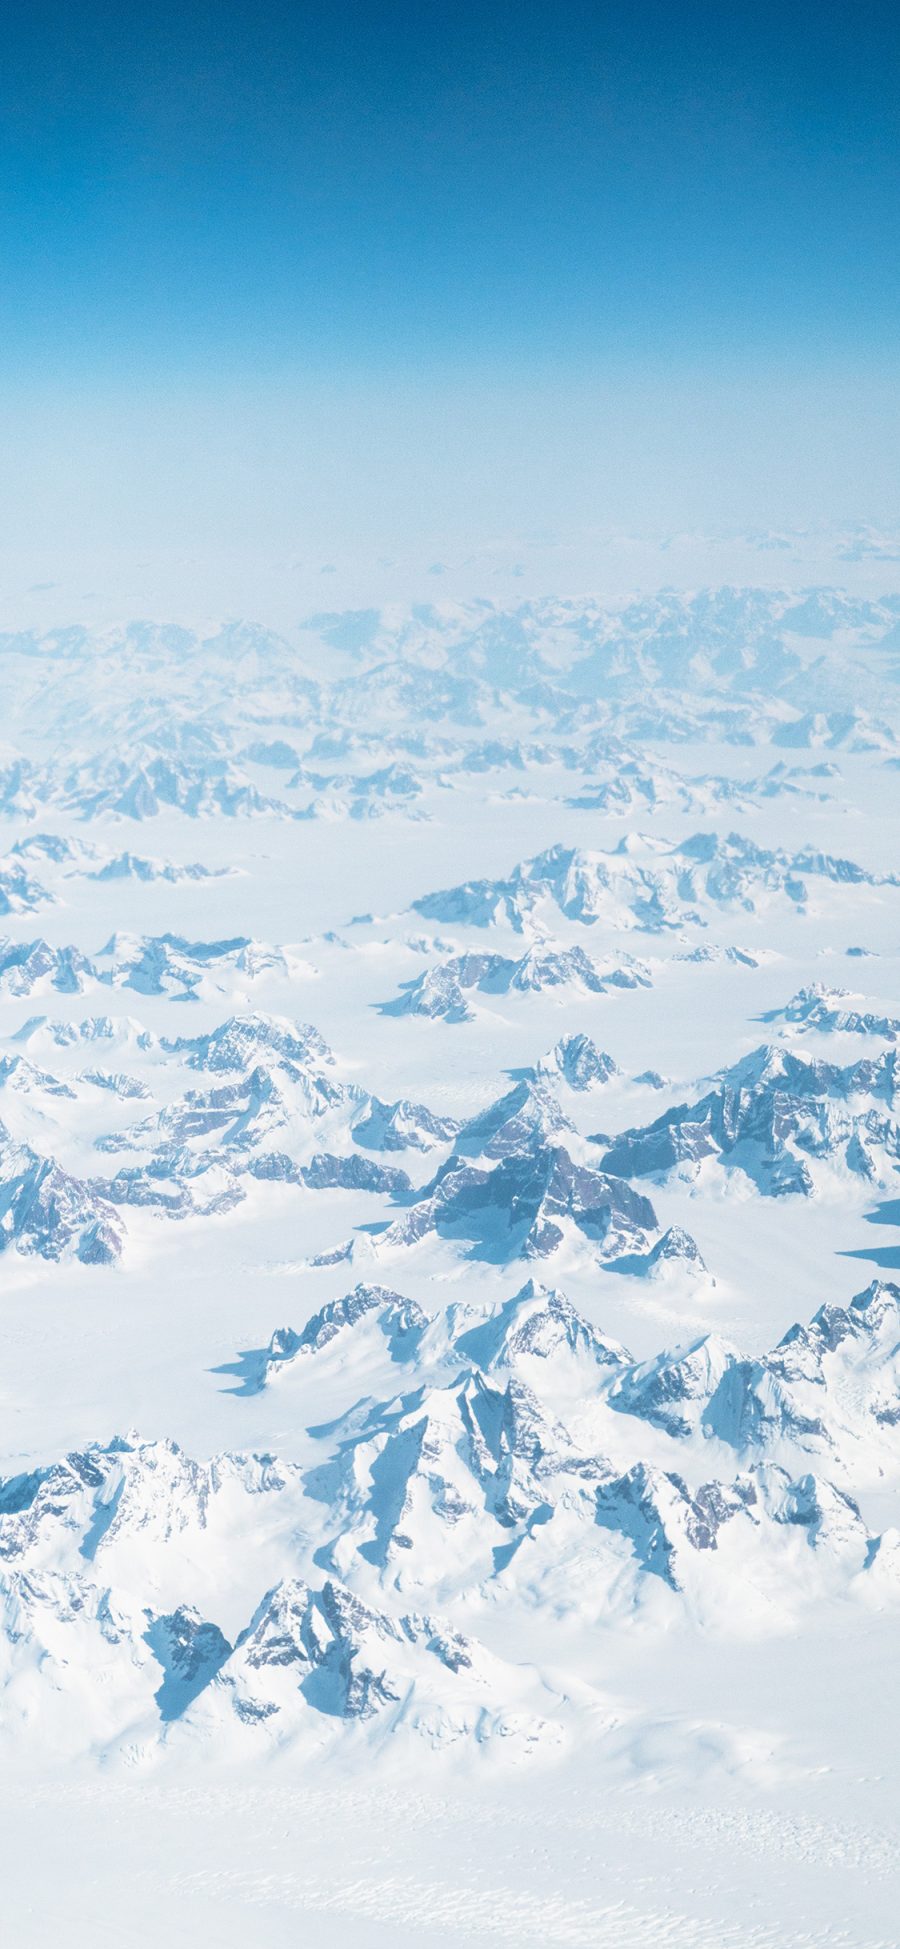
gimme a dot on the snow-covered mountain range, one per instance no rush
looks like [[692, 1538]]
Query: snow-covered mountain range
[[379, 1396]]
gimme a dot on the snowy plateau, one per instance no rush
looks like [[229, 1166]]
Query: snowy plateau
[[450, 1278]]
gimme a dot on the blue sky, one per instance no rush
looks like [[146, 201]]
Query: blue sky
[[660, 241]]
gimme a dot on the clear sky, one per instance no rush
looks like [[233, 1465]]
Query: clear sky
[[356, 273]]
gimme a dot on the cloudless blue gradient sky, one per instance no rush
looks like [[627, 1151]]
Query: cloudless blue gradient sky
[[646, 249]]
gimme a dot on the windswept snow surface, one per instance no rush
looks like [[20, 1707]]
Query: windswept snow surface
[[450, 1278]]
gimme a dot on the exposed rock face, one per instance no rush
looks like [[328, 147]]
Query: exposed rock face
[[44, 1210], [774, 1116], [525, 1205], [578, 1062]]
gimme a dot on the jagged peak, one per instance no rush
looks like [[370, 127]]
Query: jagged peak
[[577, 1061]]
